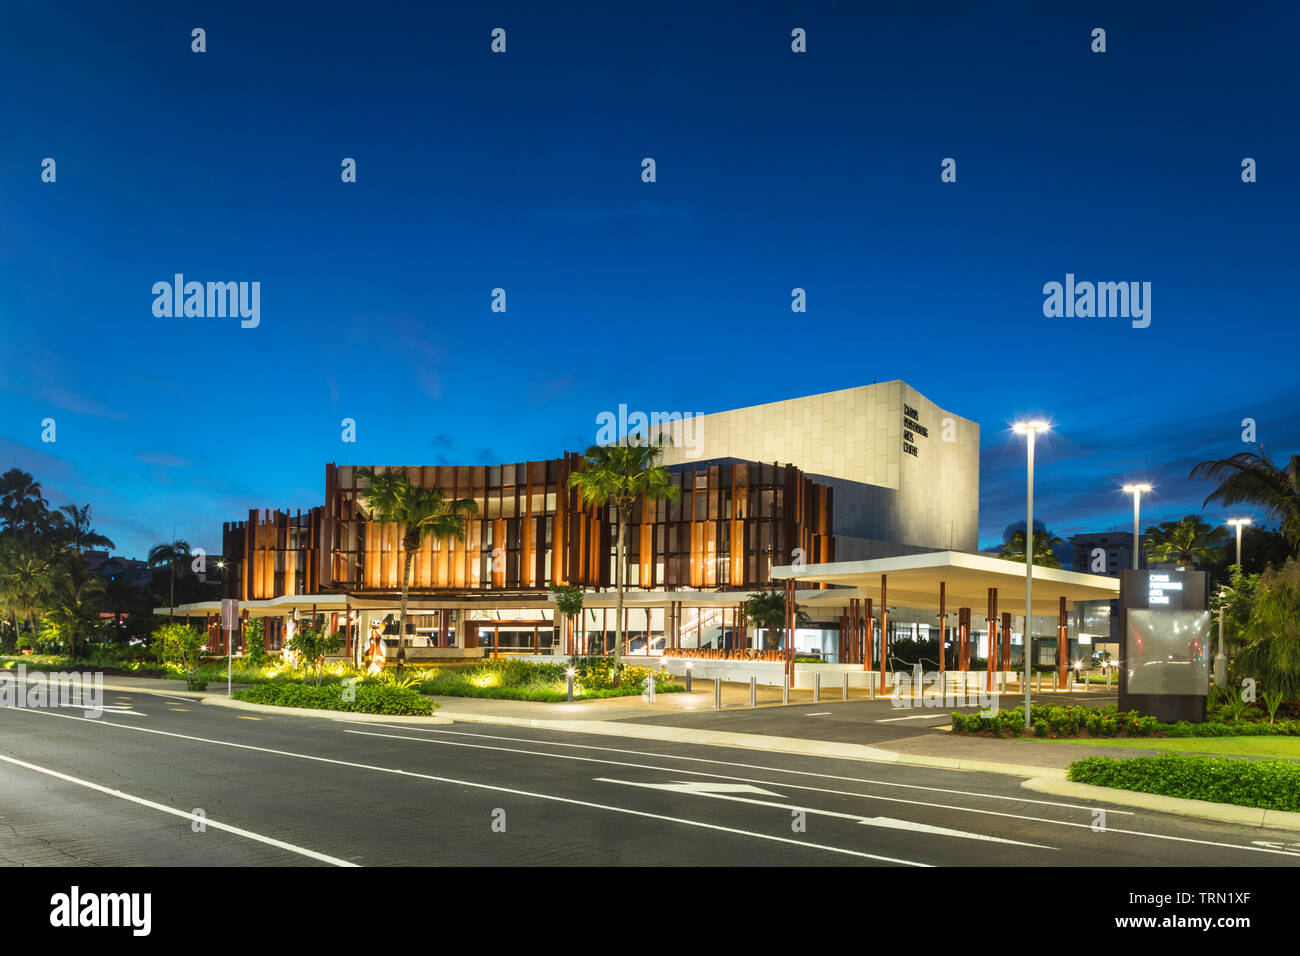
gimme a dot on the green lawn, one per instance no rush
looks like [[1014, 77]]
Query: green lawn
[[1287, 748]]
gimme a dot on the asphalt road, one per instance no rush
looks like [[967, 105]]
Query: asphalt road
[[287, 790], [855, 721]]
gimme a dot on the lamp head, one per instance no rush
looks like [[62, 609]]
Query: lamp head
[[1239, 522], [1132, 488], [1037, 425]]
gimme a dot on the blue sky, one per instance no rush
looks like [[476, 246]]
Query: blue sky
[[521, 171]]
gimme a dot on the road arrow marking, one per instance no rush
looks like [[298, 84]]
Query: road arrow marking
[[1291, 848], [705, 788]]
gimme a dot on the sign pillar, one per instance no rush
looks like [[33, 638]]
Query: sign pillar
[[230, 621]]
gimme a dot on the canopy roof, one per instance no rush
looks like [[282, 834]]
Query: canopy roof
[[913, 580]]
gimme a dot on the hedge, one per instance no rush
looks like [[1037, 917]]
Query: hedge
[[1073, 720], [1267, 784], [370, 698]]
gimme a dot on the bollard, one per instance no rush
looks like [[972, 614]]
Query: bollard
[[1108, 680], [1040, 682], [785, 688], [817, 688], [688, 677], [753, 691], [717, 693], [650, 689], [570, 686], [846, 684]]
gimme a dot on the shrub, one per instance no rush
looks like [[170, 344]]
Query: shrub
[[1269, 784], [255, 641], [182, 646]]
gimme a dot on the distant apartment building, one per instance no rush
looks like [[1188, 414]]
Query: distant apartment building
[[1104, 552]]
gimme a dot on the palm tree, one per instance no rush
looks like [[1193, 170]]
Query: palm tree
[[766, 610], [119, 592], [619, 475], [172, 555], [22, 506], [1187, 541], [1247, 476], [420, 513], [76, 527], [1045, 545], [25, 577], [74, 601]]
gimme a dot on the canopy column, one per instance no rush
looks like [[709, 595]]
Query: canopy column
[[1062, 644], [869, 637], [884, 629], [943, 628]]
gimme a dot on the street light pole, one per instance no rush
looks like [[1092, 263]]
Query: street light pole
[[1221, 659], [1239, 523], [1030, 429], [1136, 492]]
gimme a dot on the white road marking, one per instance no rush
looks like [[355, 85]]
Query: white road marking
[[887, 720], [887, 822], [495, 788], [106, 708], [700, 773], [330, 760], [702, 787], [820, 713], [208, 821], [724, 763]]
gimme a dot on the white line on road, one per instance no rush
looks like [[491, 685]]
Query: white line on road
[[890, 823], [345, 763], [725, 763], [487, 786], [820, 713], [208, 821], [887, 720], [749, 780]]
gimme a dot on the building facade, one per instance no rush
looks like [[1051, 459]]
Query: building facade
[[865, 472], [904, 471]]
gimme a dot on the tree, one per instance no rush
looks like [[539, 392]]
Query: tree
[[1045, 545], [1272, 655], [25, 579], [312, 645], [255, 641], [120, 593], [23, 508], [75, 527], [1254, 478], [766, 609], [620, 475], [1236, 600], [418, 513], [182, 645], [171, 555], [1188, 541], [568, 604], [72, 607]]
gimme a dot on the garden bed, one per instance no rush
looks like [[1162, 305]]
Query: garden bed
[[1266, 784], [514, 679], [369, 698], [1074, 721]]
